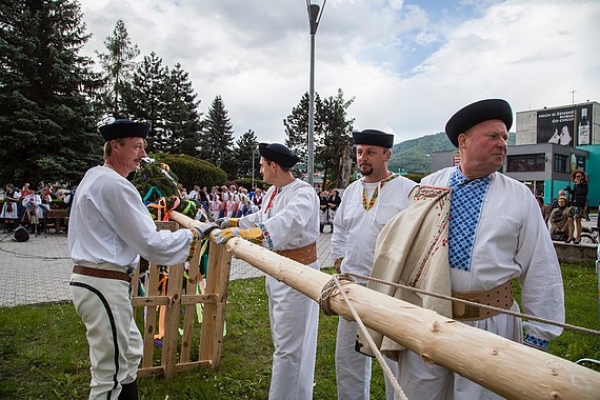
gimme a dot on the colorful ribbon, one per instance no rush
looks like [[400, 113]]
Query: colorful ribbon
[[149, 193]]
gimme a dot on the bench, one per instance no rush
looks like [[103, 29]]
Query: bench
[[55, 218]]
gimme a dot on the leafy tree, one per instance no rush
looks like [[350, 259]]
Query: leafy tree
[[182, 120], [296, 126], [335, 139], [246, 148], [145, 98], [48, 128], [117, 68], [217, 137]]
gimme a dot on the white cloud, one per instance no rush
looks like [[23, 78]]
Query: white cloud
[[256, 55]]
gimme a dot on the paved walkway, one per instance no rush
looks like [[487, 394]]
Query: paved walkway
[[38, 270]]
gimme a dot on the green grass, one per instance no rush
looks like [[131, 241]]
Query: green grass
[[44, 354]]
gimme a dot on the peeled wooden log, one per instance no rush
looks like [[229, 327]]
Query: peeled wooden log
[[508, 368]]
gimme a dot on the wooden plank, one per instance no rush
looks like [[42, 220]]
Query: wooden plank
[[171, 321], [189, 366], [150, 371], [213, 322], [151, 301], [150, 323], [189, 318], [199, 298]]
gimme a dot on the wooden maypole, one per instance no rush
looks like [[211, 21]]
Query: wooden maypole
[[508, 368]]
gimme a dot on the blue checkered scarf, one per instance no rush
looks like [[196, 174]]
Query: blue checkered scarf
[[465, 209]]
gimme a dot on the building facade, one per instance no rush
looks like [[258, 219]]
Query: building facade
[[551, 143]]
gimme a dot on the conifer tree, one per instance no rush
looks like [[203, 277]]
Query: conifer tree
[[118, 65], [182, 120], [217, 136], [48, 127], [145, 98], [246, 147]]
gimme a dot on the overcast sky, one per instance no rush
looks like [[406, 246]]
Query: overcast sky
[[409, 64]]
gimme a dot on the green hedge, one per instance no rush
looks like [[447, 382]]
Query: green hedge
[[192, 171], [247, 183]]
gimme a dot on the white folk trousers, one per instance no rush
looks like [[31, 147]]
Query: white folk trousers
[[115, 342], [353, 369]]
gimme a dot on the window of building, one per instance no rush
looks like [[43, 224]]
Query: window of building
[[581, 163], [561, 163], [526, 163], [536, 187]]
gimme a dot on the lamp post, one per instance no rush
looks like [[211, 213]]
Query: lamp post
[[314, 17], [253, 157]]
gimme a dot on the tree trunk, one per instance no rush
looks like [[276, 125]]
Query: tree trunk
[[508, 368]]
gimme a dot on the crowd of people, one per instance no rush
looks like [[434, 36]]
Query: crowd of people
[[231, 201], [28, 206], [329, 201]]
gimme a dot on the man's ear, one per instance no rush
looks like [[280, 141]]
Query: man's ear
[[387, 154], [462, 141]]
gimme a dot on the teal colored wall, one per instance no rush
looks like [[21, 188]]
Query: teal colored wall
[[551, 189], [592, 169]]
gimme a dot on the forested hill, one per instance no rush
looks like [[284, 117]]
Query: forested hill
[[415, 155], [425, 145]]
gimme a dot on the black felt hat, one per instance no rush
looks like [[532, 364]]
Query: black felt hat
[[374, 138], [475, 113], [278, 153], [122, 128]]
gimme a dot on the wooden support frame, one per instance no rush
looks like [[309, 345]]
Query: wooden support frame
[[179, 294]]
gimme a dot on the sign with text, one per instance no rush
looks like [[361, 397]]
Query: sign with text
[[556, 126]]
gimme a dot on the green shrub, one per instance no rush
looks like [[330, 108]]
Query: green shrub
[[247, 183], [192, 171]]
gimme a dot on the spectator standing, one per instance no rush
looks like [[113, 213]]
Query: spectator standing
[[333, 202], [496, 234], [543, 207], [109, 229], [10, 212], [578, 204], [202, 197], [368, 204], [288, 224], [32, 202], [323, 210]]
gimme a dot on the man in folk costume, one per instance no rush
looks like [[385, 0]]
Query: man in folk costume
[[496, 234], [288, 223], [366, 206], [109, 229]]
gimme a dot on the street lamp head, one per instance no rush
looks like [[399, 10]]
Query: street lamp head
[[314, 15]]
